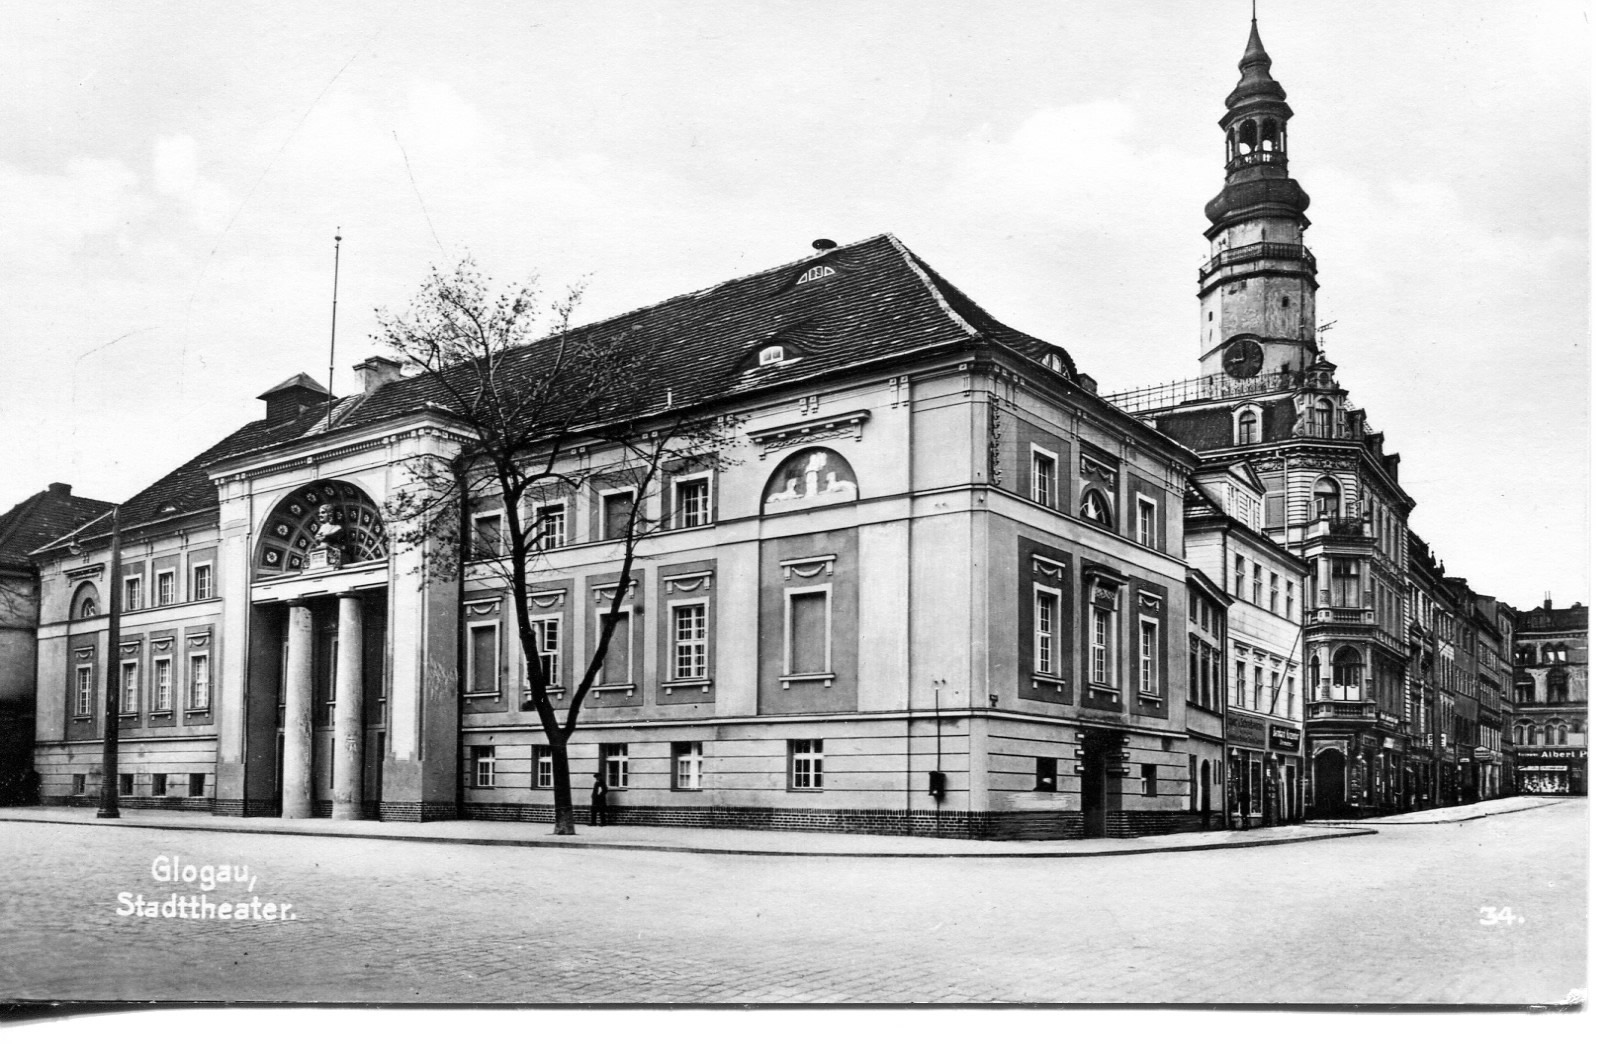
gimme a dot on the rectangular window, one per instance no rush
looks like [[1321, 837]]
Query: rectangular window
[[617, 660], [688, 765], [541, 767], [198, 784], [1256, 691], [200, 681], [1194, 669], [131, 687], [201, 582], [132, 589], [1043, 478], [617, 515], [164, 587], [487, 540], [1347, 582], [1147, 780], [1273, 592], [1147, 522], [1239, 576], [689, 636], [1289, 599], [159, 784], [550, 527], [692, 503], [616, 765], [162, 696], [1216, 669], [1148, 648], [1099, 645], [484, 760], [1239, 683], [1046, 632], [1046, 776], [809, 638], [808, 764], [80, 783], [125, 783], [1256, 585], [483, 658], [84, 686], [548, 629]]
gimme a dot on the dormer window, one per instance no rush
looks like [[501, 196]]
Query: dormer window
[[816, 272], [772, 353], [1057, 363]]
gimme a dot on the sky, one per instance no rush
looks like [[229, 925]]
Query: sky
[[173, 175]]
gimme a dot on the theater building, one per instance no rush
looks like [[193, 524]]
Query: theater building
[[936, 550]]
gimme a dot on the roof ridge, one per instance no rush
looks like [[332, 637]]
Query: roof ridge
[[919, 267]]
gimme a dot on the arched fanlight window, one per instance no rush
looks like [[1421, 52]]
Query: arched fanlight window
[[1325, 498], [1348, 674], [85, 603], [1095, 508], [1247, 427]]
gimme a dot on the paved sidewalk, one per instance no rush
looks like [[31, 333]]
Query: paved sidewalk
[[688, 839], [1449, 814]]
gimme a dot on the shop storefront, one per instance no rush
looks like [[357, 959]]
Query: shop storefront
[[1560, 771]]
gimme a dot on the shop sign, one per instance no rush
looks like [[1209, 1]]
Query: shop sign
[[1246, 731], [1556, 755], [1370, 741], [1282, 737]]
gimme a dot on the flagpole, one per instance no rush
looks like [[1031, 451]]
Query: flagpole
[[334, 304], [109, 715]]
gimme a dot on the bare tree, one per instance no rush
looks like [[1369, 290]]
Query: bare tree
[[541, 410]]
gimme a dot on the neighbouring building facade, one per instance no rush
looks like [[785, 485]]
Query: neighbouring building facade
[[38, 520], [1268, 400], [938, 550], [1265, 586], [1549, 699]]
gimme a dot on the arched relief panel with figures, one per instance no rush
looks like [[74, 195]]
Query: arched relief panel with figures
[[810, 478]]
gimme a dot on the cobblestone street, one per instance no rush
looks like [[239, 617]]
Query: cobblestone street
[[1388, 918]]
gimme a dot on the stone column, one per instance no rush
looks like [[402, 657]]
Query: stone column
[[296, 794], [348, 789]]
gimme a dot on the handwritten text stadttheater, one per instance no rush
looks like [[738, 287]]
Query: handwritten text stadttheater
[[207, 877]]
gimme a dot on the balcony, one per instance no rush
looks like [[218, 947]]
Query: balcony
[[1342, 710], [1259, 252], [1255, 158]]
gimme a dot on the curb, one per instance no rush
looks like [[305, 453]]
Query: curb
[[633, 847], [1443, 822]]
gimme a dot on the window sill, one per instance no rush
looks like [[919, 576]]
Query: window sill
[[124, 715], [1149, 697], [788, 679], [83, 717], [1049, 679], [198, 711], [687, 790], [618, 688], [161, 714], [689, 683], [482, 695]]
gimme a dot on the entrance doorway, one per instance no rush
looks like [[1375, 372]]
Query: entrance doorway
[[1101, 794], [1329, 782]]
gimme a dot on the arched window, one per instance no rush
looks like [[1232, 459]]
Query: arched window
[[1325, 498], [1518, 734], [1555, 733], [1247, 137], [1247, 427], [1323, 419], [1314, 670], [1095, 508], [1348, 674], [85, 603]]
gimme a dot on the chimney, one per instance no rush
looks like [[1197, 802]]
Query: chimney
[[63, 488], [821, 246], [1548, 602], [377, 371]]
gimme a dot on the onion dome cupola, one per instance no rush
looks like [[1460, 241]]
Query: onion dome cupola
[[1257, 292], [1255, 128]]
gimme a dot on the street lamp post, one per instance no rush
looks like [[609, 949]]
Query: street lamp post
[[110, 725]]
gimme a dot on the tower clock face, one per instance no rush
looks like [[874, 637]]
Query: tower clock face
[[1243, 359]]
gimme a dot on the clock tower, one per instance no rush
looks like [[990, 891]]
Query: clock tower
[[1257, 292]]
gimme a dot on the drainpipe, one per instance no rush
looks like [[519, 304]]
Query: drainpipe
[[1228, 819]]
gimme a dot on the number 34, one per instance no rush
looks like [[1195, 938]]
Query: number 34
[[1490, 915]]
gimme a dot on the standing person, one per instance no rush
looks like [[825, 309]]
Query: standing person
[[600, 800]]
